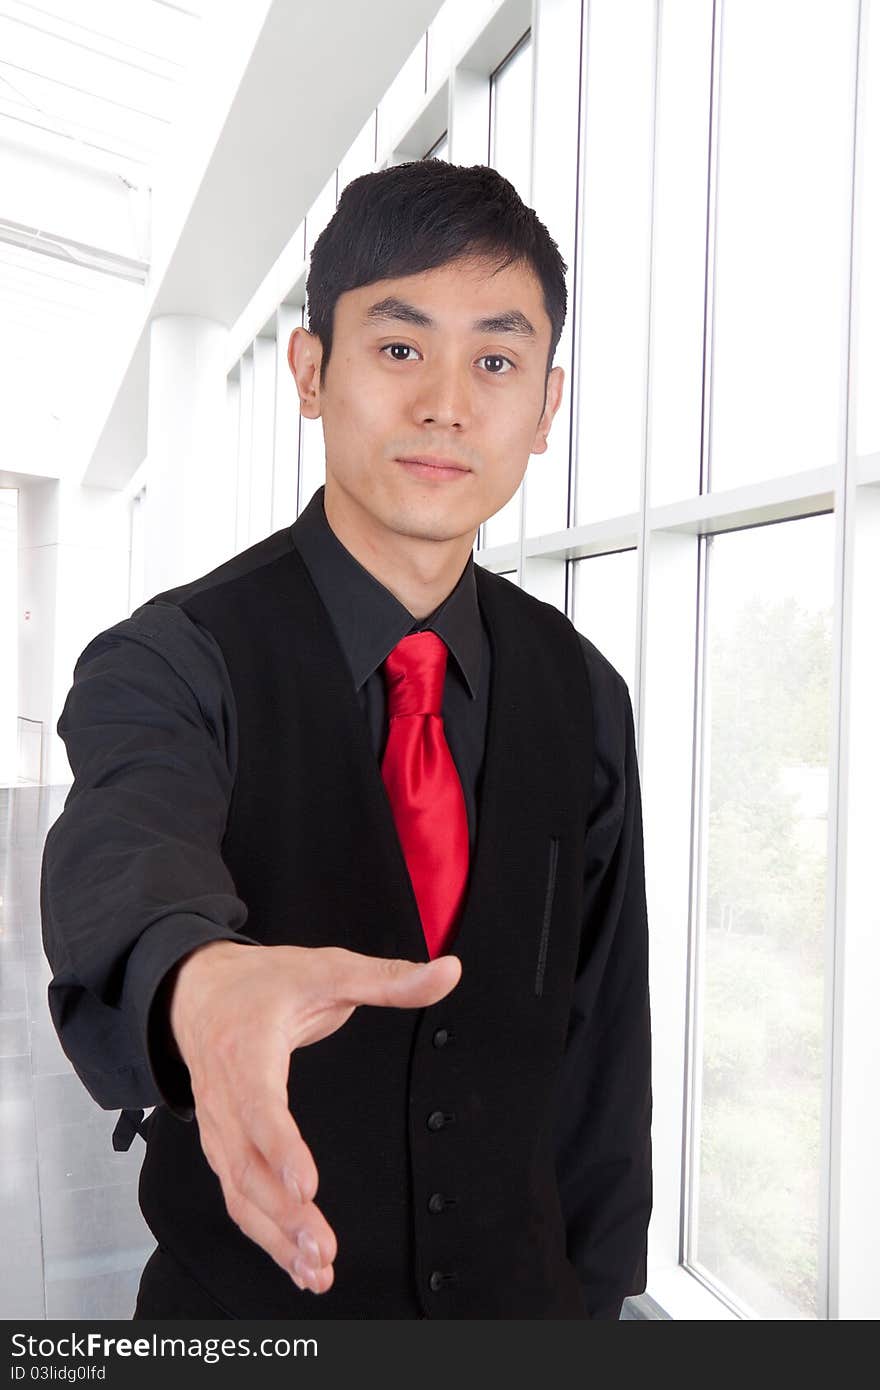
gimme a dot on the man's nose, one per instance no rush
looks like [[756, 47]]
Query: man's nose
[[444, 395]]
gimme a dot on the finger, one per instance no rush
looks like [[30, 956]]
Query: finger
[[268, 1126], [252, 1179], [249, 1183], [385, 980], [301, 1223], [257, 1114], [286, 1179], [279, 1245]]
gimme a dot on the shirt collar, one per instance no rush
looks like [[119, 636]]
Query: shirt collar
[[369, 619]]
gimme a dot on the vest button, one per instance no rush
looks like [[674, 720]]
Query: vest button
[[441, 1037], [436, 1281], [436, 1202], [436, 1119]]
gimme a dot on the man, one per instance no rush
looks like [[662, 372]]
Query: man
[[419, 1086]]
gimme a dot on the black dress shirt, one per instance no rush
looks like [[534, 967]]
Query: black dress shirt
[[158, 668]]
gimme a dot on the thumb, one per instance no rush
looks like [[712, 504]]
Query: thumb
[[433, 979], [402, 984]]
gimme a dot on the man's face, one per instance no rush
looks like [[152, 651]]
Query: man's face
[[419, 369]]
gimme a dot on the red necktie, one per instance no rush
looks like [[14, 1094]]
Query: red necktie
[[423, 785]]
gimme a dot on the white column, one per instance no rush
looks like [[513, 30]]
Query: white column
[[37, 592], [190, 498], [8, 633], [94, 534], [73, 561], [286, 469]]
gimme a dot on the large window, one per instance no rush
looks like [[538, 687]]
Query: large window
[[759, 1009], [615, 232]]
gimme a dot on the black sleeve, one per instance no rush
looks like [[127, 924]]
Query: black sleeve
[[604, 1162], [132, 878]]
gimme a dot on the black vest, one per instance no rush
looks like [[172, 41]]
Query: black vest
[[432, 1128]]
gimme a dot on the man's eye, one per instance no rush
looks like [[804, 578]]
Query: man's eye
[[389, 347], [495, 357]]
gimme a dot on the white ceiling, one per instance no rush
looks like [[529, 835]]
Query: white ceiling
[[94, 80], [89, 96]]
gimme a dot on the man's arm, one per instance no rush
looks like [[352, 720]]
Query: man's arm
[[132, 879], [605, 1099], [133, 882]]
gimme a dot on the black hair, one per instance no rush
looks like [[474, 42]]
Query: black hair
[[422, 214]]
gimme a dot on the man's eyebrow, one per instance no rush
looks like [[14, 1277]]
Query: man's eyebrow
[[510, 321]]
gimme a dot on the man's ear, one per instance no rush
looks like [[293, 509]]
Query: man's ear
[[555, 383], [304, 359]]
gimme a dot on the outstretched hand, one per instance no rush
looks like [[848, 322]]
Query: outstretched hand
[[237, 1012]]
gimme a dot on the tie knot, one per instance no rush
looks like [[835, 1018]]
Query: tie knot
[[414, 674]]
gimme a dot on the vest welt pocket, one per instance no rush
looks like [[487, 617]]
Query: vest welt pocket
[[548, 912]]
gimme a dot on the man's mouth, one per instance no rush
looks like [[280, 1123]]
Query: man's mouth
[[433, 465]]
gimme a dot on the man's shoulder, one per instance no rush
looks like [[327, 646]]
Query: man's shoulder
[[162, 627], [609, 693], [157, 642]]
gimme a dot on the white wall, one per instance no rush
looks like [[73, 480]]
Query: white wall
[[190, 500]]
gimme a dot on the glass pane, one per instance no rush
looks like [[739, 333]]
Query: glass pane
[[867, 268], [510, 153], [511, 133], [605, 605], [556, 89], [503, 527], [615, 230], [757, 1114], [783, 208], [678, 288]]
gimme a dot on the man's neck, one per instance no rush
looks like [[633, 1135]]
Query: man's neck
[[419, 573]]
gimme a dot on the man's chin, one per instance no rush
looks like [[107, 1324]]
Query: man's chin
[[433, 529], [425, 518]]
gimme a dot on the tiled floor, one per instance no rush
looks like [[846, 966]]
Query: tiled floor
[[73, 1238]]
